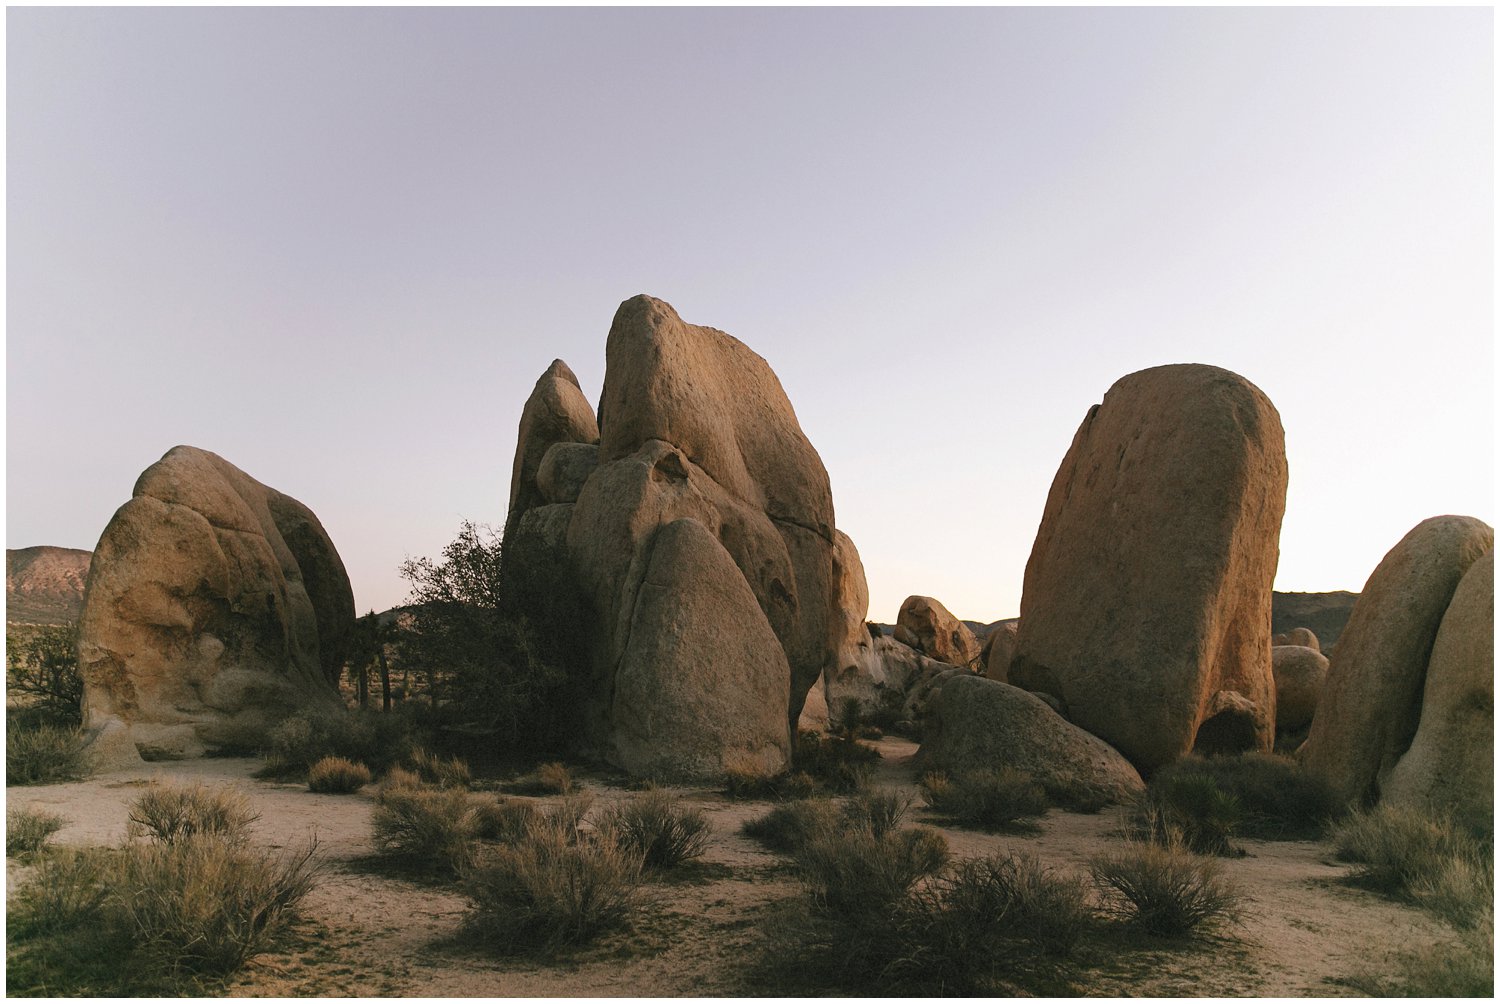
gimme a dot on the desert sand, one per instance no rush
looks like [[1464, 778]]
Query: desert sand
[[365, 931]]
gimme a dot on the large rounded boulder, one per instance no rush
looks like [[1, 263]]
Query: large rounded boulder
[[215, 607], [1372, 701], [979, 724], [1146, 603], [1450, 767], [556, 412], [999, 648]]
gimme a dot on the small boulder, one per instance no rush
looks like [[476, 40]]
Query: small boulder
[[1300, 672], [1299, 636], [979, 724], [927, 626], [1370, 705], [564, 469]]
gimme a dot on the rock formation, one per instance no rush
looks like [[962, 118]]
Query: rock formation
[[556, 412], [1369, 709], [1300, 672], [1146, 604], [1450, 766], [857, 671], [980, 724], [215, 607], [927, 626], [999, 648], [698, 449]]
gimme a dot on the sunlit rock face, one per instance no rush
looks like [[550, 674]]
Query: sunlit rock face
[[1146, 604], [215, 607], [1372, 702], [706, 659]]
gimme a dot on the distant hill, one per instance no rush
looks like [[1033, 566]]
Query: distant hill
[[1325, 614], [44, 585]]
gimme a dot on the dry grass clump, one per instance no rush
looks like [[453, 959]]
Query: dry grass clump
[[1464, 967], [504, 820], [557, 886], [990, 799], [839, 764], [1163, 888], [787, 826], [376, 739], [398, 778], [28, 830], [879, 810], [152, 917], [171, 813], [433, 769], [334, 775], [45, 754], [1422, 857], [659, 827], [429, 829], [852, 873], [548, 779]]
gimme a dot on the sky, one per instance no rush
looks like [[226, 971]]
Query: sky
[[338, 247]]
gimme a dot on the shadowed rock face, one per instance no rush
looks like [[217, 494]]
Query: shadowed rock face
[[695, 434], [1370, 705], [1146, 605], [215, 607], [1450, 766]]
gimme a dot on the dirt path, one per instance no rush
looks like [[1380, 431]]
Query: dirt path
[[368, 933]]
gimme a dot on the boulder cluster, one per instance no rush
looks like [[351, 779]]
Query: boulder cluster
[[719, 605]]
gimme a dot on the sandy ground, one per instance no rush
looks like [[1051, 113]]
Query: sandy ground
[[368, 933]]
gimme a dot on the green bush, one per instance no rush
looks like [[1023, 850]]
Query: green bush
[[373, 738], [45, 754], [333, 775], [28, 830], [426, 828], [787, 826], [991, 799], [1253, 794], [555, 887], [657, 826], [170, 813], [1407, 853], [840, 764], [41, 666], [1163, 888]]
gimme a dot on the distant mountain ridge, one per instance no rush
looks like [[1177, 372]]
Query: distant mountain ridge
[[44, 585]]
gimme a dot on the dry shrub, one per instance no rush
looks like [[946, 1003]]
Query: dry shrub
[[1461, 890], [879, 810], [155, 916], [1163, 888], [433, 769], [201, 905], [1194, 805], [431, 829], [1213, 799], [1398, 850], [379, 739], [555, 887], [659, 827], [28, 830], [45, 754], [504, 820], [398, 778], [785, 827], [555, 778], [171, 813], [747, 777], [851, 872], [333, 775], [840, 764], [990, 799]]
